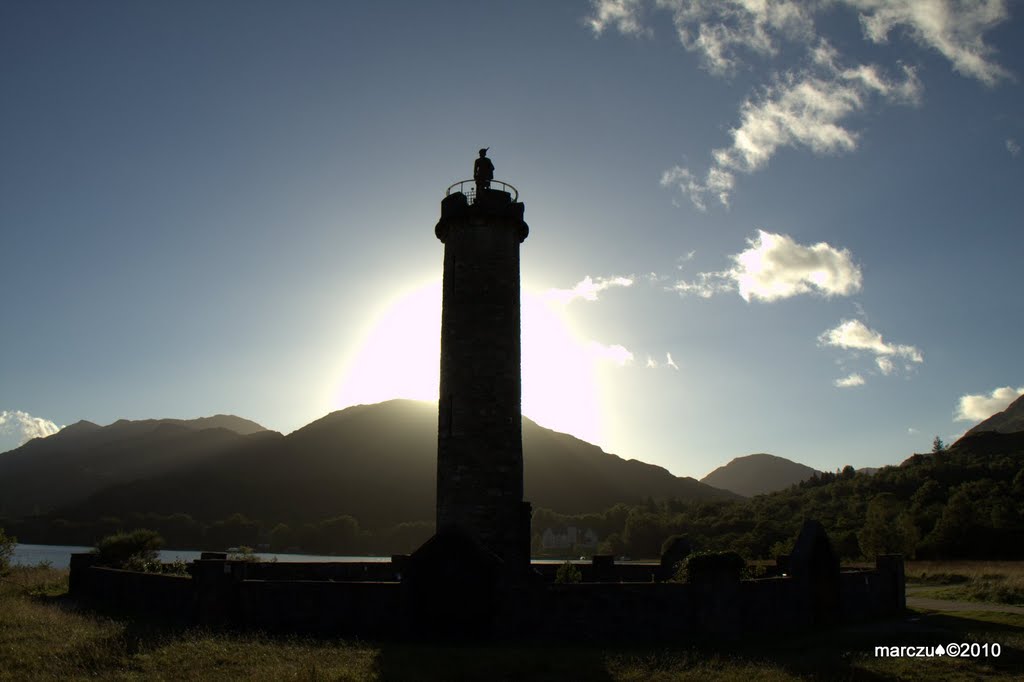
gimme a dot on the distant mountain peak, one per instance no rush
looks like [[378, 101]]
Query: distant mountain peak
[[80, 426], [757, 474]]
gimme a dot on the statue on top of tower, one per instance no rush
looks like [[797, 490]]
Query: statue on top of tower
[[483, 171]]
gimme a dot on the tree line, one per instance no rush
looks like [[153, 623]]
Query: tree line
[[946, 504]]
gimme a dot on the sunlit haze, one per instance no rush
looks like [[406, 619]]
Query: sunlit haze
[[398, 358]]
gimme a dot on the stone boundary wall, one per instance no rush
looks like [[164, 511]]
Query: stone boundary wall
[[166, 597], [365, 609], [282, 598]]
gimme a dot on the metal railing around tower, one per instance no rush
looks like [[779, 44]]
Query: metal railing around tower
[[470, 191]]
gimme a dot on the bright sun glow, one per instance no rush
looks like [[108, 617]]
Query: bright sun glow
[[398, 357]]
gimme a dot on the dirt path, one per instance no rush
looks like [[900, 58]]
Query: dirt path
[[934, 604]]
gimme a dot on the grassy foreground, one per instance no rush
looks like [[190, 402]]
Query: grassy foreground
[[44, 637], [999, 582]]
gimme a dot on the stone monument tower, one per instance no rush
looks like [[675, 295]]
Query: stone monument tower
[[479, 439]]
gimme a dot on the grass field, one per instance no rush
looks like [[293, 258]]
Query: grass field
[[44, 637], [1000, 582]]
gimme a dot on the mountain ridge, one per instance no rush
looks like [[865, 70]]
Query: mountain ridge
[[757, 474], [378, 463], [84, 457], [1010, 420]]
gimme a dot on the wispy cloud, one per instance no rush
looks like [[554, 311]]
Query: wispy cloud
[[854, 335], [850, 381], [976, 407], [24, 427], [775, 266], [706, 284], [954, 28], [654, 364], [1013, 147], [723, 32], [587, 289], [804, 108], [622, 15], [807, 106]]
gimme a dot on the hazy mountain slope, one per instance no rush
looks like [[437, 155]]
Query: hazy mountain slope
[[757, 474], [84, 458], [378, 463], [569, 475], [1009, 420]]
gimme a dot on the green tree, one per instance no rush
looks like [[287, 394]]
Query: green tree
[[339, 534], [139, 546], [568, 573], [644, 534], [938, 445], [887, 529], [281, 537]]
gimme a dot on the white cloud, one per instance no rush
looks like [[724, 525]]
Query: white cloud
[[975, 408], [587, 289], [775, 267], [911, 431], [856, 336], [669, 362], [616, 354], [24, 427], [720, 29], [955, 28], [1013, 147], [806, 107], [850, 381], [623, 15], [803, 108]]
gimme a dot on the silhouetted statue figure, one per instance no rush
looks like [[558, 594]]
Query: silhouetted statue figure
[[483, 171]]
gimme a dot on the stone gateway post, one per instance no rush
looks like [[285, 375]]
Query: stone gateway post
[[479, 439]]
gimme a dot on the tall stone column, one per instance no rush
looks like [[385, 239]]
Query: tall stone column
[[479, 440]]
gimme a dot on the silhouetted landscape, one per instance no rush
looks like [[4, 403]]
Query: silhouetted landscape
[[362, 479]]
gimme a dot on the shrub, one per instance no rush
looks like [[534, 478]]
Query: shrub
[[708, 565], [6, 551], [245, 553], [568, 573], [139, 548]]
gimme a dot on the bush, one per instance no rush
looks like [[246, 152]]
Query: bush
[[154, 565], [137, 548], [245, 553], [6, 551], [709, 565], [568, 573]]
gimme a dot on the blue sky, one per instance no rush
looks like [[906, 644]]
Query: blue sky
[[755, 226]]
